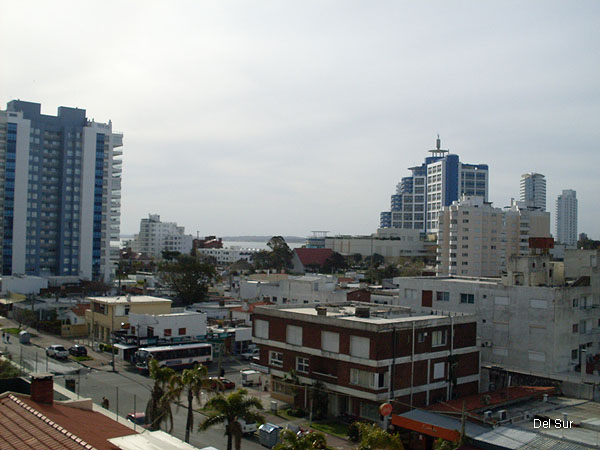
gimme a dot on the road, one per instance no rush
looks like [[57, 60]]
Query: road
[[126, 390]]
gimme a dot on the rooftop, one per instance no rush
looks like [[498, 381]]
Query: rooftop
[[125, 299]]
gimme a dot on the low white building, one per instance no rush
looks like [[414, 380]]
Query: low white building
[[300, 289], [229, 255], [391, 243], [169, 327], [533, 322], [22, 284]]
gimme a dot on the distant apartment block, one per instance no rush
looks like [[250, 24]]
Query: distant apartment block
[[366, 354], [533, 190], [156, 236], [470, 239], [61, 192], [523, 221], [436, 183], [227, 255], [566, 218]]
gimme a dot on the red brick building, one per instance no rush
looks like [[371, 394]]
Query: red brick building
[[356, 349]]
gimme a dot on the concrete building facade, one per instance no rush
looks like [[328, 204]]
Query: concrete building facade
[[566, 218], [470, 239], [61, 193], [228, 255], [293, 290], [522, 222], [533, 321], [364, 355], [156, 236]]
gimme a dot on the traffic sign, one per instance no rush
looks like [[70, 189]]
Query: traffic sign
[[385, 409]]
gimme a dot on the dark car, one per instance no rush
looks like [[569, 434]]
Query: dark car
[[223, 385], [139, 418], [78, 350]]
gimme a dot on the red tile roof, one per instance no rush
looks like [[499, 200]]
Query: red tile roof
[[80, 308], [313, 256], [24, 428], [28, 425], [251, 306], [476, 402]]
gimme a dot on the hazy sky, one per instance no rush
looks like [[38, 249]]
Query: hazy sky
[[281, 117]]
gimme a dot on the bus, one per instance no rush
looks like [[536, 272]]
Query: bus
[[174, 356]]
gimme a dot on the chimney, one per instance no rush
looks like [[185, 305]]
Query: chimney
[[42, 388], [362, 311], [321, 310]]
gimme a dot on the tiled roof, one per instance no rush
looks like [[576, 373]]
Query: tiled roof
[[313, 256], [24, 428], [80, 308], [487, 400]]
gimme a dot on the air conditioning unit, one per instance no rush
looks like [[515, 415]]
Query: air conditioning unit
[[502, 415], [487, 415], [486, 344]]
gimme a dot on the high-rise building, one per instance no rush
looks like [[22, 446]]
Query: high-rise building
[[470, 239], [521, 222], [156, 236], [61, 188], [566, 218], [533, 190], [439, 181]]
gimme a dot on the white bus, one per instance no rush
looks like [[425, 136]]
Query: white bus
[[174, 356]]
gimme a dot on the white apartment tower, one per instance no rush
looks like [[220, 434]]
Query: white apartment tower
[[566, 218], [156, 236], [470, 239], [61, 193], [522, 221], [533, 190]]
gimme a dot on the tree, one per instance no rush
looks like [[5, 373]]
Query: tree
[[320, 400], [228, 409], [7, 370], [262, 259], [304, 441], [158, 409], [374, 438], [281, 254], [188, 277], [376, 260], [170, 255], [190, 381], [334, 263]]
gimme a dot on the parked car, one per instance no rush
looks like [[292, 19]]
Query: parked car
[[139, 418], [57, 351], [78, 350], [254, 353], [247, 428], [225, 383]]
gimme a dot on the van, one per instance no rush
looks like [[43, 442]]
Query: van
[[247, 427], [250, 377]]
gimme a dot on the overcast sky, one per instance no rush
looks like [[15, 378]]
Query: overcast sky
[[281, 117]]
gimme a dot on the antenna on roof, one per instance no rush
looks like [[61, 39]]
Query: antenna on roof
[[438, 151]]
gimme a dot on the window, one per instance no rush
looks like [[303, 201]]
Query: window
[[421, 337], [438, 370], [438, 338], [276, 359], [167, 332], [368, 379], [467, 298], [360, 346], [182, 331], [410, 294], [261, 329], [574, 354], [293, 335], [302, 364], [575, 303], [330, 342], [575, 328], [442, 296]]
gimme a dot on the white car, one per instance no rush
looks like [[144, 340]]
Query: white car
[[247, 428], [254, 353], [57, 351]]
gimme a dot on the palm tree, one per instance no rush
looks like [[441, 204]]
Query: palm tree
[[158, 409], [192, 381], [228, 409], [309, 441]]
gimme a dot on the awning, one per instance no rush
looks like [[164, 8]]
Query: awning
[[125, 346], [10, 301]]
